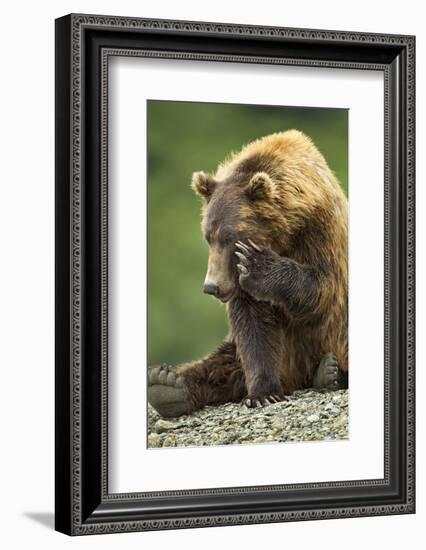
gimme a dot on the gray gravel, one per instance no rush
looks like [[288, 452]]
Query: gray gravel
[[306, 416]]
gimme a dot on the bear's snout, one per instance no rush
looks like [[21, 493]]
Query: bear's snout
[[211, 289]]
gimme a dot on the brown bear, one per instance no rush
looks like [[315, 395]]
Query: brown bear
[[276, 221]]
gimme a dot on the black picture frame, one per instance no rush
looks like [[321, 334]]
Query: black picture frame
[[83, 45]]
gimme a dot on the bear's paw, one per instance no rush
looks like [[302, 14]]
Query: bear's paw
[[167, 392]]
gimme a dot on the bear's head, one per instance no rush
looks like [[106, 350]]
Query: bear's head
[[279, 192], [235, 208]]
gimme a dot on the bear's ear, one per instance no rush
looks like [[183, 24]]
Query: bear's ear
[[203, 184], [260, 186]]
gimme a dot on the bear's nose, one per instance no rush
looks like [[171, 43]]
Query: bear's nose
[[209, 288]]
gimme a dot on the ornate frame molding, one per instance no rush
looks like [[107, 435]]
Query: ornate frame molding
[[76, 510]]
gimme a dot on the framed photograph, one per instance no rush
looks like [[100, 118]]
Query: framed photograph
[[234, 274]]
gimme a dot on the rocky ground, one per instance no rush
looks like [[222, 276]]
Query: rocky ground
[[306, 416]]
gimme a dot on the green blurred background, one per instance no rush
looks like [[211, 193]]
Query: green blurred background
[[183, 323]]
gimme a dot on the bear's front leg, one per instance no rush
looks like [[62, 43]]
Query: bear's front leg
[[257, 330], [268, 277]]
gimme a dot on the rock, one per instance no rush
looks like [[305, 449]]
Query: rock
[[154, 440], [306, 416], [164, 426], [332, 409], [170, 441], [340, 396]]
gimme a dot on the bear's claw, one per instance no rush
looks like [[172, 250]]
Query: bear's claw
[[167, 392], [243, 247], [243, 254], [260, 401], [255, 246], [255, 265], [242, 269]]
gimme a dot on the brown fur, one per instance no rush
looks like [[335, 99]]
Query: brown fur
[[280, 193]]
